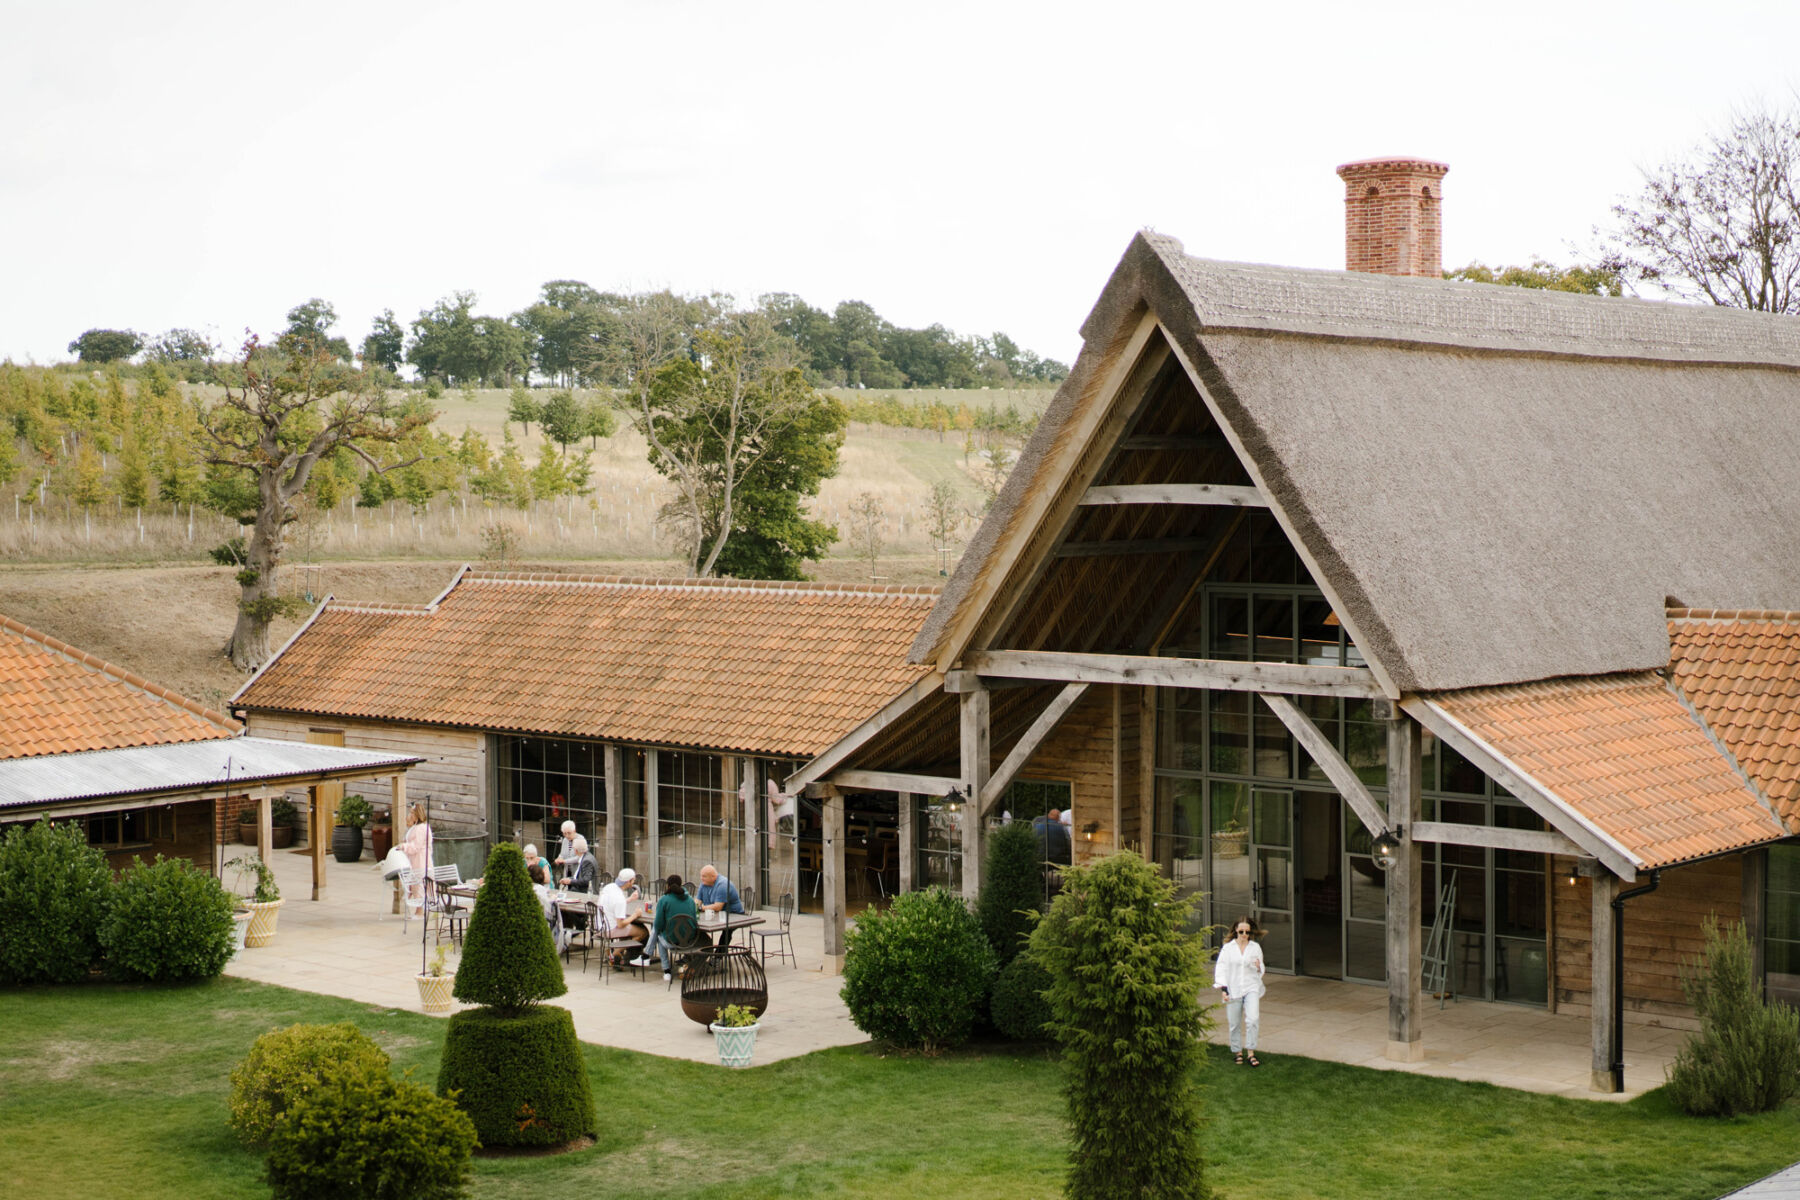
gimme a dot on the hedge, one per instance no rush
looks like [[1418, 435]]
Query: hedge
[[169, 921], [55, 890], [519, 1075]]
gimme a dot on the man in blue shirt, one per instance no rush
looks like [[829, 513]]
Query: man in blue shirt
[[717, 895]]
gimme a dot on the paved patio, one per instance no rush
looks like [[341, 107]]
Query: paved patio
[[351, 945]]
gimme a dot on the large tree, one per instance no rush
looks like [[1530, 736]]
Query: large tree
[[288, 407], [1721, 224], [106, 345], [310, 323], [1544, 276], [386, 344], [735, 415]]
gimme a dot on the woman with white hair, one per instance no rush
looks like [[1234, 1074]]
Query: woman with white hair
[[565, 849]]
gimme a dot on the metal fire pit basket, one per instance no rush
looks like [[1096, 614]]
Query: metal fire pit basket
[[720, 976]]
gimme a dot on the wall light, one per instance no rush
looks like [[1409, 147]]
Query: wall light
[[1090, 829], [1386, 849]]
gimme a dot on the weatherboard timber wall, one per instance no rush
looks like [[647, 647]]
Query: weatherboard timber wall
[[1662, 931], [454, 773], [1079, 752]]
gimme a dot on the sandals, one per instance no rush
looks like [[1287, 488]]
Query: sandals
[[1253, 1059], [1240, 1060]]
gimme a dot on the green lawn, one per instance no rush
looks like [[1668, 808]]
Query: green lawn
[[120, 1091]]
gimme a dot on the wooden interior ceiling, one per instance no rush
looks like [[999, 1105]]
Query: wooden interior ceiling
[[928, 739], [1121, 571]]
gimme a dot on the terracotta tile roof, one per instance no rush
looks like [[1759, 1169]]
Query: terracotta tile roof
[[1741, 671], [1628, 756], [773, 668], [55, 699]]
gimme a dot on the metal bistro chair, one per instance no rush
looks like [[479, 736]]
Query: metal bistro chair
[[783, 933], [684, 942], [451, 911], [408, 906], [572, 936]]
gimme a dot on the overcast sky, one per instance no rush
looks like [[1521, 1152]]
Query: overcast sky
[[196, 163]]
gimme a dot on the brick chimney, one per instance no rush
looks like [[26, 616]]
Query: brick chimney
[[1393, 216]]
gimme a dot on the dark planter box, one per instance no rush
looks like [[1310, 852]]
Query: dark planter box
[[347, 843]]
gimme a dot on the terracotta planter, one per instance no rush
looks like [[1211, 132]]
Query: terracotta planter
[[247, 832], [281, 837], [347, 843], [735, 1042], [434, 991], [261, 930], [381, 840]]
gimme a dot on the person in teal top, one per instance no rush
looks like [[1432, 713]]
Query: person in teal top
[[672, 903]]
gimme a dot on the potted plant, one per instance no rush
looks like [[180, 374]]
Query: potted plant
[[1233, 841], [264, 904], [436, 984], [381, 833], [347, 835], [283, 816], [735, 1032]]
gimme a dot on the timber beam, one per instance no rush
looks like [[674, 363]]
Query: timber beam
[[1593, 841], [1216, 494], [1124, 549], [892, 781], [1323, 752], [853, 741], [1535, 841], [1142, 670], [1027, 744]]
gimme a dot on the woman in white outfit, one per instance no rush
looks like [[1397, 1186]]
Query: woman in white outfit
[[1239, 974]]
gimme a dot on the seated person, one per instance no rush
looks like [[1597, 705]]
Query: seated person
[[615, 909], [1053, 838], [533, 858], [718, 895], [579, 875], [672, 903]]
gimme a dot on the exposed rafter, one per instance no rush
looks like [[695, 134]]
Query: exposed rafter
[[1537, 841], [891, 781]]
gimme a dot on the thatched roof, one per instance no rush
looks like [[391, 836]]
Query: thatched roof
[[1494, 485]]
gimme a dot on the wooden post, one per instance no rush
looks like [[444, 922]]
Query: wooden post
[[909, 841], [1756, 875], [397, 818], [318, 806], [1118, 767], [1405, 807], [615, 809], [977, 761], [265, 827], [1600, 1020], [832, 862], [652, 864]]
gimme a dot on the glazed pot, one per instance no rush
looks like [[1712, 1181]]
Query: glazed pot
[[434, 991], [735, 1042], [261, 930], [347, 843]]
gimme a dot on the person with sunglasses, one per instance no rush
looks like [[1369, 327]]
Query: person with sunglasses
[[1239, 974]]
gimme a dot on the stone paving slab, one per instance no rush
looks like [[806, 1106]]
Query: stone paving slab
[[351, 945]]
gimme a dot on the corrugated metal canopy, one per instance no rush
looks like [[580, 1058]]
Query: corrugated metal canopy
[[213, 767]]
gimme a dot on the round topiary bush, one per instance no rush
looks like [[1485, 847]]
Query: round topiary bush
[[371, 1138], [1012, 888], [519, 1075], [916, 974], [55, 890], [1017, 1005], [509, 959], [287, 1064], [169, 921]]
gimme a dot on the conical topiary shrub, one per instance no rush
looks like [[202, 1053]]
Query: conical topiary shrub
[[515, 1065], [1012, 887], [509, 958]]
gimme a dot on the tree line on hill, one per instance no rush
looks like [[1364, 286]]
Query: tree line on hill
[[574, 335]]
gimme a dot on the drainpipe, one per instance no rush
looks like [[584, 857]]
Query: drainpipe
[[1618, 973]]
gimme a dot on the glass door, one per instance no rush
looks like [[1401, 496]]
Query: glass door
[[1272, 873]]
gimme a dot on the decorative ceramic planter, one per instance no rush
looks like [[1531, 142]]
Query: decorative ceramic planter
[[261, 930], [347, 843], [240, 925], [434, 991], [1233, 843], [735, 1043]]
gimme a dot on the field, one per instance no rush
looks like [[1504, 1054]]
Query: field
[[121, 1091], [138, 589]]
